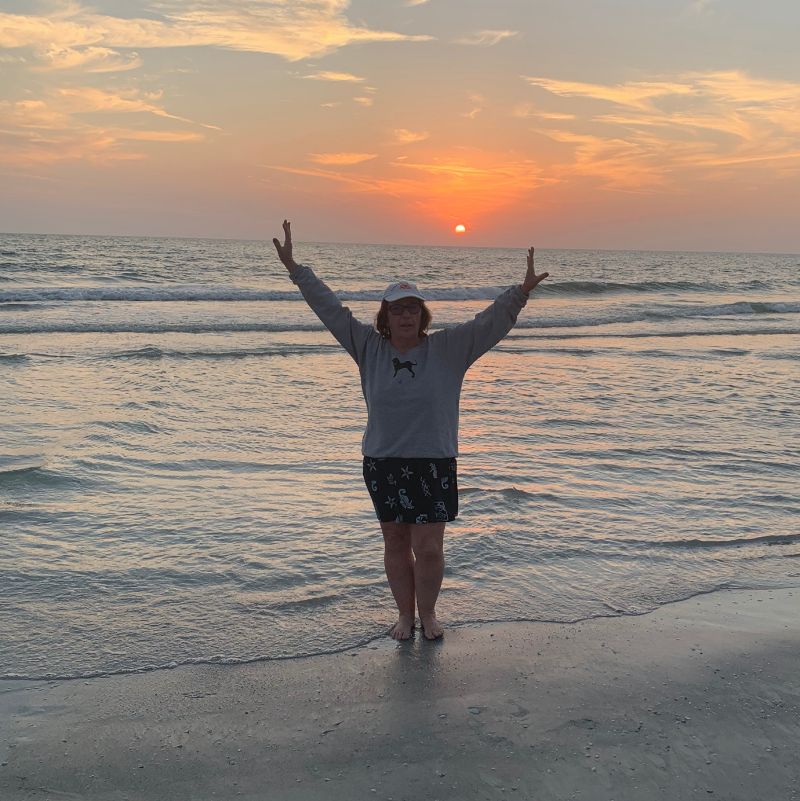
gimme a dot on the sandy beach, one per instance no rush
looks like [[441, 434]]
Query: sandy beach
[[699, 699]]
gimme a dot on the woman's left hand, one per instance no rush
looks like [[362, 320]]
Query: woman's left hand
[[531, 279]]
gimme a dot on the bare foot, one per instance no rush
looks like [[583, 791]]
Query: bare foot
[[402, 629], [431, 627]]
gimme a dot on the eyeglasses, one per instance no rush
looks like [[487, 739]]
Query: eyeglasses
[[398, 308]]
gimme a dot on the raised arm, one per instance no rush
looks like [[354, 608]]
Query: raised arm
[[469, 341], [285, 249], [338, 319], [531, 279]]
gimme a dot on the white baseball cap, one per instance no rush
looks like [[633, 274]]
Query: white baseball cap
[[402, 289]]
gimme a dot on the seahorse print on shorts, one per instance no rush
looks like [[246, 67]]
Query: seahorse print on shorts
[[405, 501]]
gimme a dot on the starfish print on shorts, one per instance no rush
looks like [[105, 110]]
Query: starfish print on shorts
[[407, 472], [371, 465], [391, 502]]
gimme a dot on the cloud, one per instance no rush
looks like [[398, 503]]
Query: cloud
[[699, 7], [62, 127], [89, 99], [477, 107], [637, 94], [730, 92], [486, 38], [476, 183], [341, 159], [403, 136], [33, 114], [326, 75], [159, 136], [96, 147], [70, 26], [555, 115], [527, 110], [87, 59], [76, 38], [654, 133], [293, 30]]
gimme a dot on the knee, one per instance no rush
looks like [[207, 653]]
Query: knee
[[428, 550], [396, 537]]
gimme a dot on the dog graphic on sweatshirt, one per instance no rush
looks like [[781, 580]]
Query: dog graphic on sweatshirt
[[398, 365]]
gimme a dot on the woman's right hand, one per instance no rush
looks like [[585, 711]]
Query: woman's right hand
[[285, 249]]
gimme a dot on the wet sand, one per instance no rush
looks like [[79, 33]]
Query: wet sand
[[697, 700]]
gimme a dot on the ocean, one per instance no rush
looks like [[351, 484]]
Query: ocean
[[180, 467]]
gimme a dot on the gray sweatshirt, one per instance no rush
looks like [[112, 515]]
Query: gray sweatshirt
[[412, 397]]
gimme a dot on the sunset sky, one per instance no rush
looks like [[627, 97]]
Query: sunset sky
[[663, 124]]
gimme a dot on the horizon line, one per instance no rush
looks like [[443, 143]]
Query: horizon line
[[268, 240]]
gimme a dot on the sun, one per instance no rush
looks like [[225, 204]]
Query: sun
[[460, 229]]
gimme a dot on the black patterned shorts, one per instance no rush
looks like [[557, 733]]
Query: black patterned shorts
[[412, 490]]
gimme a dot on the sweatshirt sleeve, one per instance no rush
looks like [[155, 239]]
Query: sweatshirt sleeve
[[467, 342], [350, 333]]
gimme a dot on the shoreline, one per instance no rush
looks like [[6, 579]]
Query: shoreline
[[368, 642], [699, 698]]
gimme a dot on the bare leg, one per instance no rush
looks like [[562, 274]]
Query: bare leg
[[427, 542], [399, 563]]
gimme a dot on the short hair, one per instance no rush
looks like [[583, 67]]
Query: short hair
[[382, 320]]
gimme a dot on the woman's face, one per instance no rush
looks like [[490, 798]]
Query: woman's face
[[404, 317]]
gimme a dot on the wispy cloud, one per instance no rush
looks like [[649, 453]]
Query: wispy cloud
[[341, 159], [157, 136], [529, 110], [696, 7], [61, 126], [486, 38], [59, 109], [89, 99], [87, 59], [74, 38], [476, 183], [294, 30], [326, 75], [33, 114], [31, 149], [403, 136], [637, 94], [651, 133], [477, 106]]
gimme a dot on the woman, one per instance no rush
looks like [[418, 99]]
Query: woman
[[411, 382]]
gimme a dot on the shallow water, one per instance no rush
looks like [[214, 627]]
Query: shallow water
[[180, 455]]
